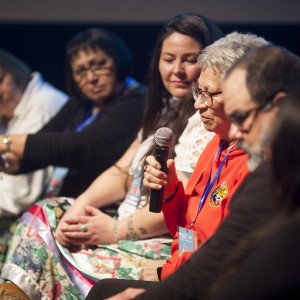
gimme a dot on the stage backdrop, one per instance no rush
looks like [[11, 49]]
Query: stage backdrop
[[37, 31]]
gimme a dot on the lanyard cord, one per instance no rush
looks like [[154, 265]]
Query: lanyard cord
[[86, 122], [210, 184]]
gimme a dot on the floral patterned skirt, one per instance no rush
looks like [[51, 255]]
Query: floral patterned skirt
[[5, 238], [46, 270]]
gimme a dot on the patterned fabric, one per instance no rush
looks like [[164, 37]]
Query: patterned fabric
[[46, 270], [4, 241]]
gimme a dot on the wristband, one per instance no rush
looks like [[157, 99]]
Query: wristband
[[7, 142]]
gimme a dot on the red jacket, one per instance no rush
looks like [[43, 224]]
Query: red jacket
[[182, 209]]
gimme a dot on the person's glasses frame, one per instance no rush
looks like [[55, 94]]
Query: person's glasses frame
[[97, 69], [206, 96], [239, 118]]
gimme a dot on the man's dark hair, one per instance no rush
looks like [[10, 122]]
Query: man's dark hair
[[270, 69]]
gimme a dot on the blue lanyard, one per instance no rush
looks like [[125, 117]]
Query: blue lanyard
[[210, 184], [86, 122]]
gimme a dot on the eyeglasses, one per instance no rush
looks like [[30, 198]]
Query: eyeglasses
[[239, 118], [98, 68], [206, 96]]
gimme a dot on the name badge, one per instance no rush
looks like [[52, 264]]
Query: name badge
[[188, 240]]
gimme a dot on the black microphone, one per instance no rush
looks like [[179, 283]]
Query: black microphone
[[163, 137]]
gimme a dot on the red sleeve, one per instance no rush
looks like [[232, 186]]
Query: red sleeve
[[173, 209], [173, 263]]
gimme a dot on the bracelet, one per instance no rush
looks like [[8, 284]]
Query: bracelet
[[116, 232], [122, 170], [7, 142], [173, 194]]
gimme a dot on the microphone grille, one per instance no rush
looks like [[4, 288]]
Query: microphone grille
[[164, 137]]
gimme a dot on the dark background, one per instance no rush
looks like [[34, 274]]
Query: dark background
[[42, 45]]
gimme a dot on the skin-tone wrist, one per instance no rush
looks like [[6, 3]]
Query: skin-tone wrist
[[2, 145], [122, 229], [112, 236], [140, 225], [17, 144]]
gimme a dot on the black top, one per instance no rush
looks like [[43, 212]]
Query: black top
[[271, 270], [91, 151]]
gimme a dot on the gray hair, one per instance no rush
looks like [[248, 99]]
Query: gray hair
[[224, 52]]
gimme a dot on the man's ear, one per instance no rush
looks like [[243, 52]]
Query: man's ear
[[278, 97], [276, 101]]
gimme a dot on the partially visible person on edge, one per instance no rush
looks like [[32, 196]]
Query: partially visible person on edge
[[253, 81], [266, 264], [221, 168], [27, 102], [95, 127], [172, 70]]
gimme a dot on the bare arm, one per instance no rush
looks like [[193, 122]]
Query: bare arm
[[142, 224], [107, 188], [110, 186], [146, 224]]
